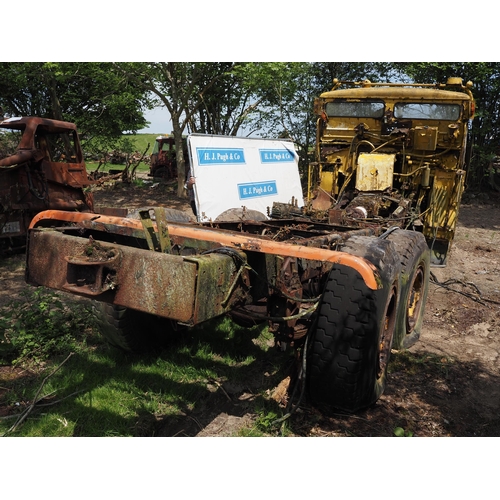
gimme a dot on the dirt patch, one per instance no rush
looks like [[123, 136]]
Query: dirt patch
[[150, 194], [448, 384]]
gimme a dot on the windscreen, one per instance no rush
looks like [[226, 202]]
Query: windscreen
[[59, 146], [9, 141], [355, 109], [427, 111]]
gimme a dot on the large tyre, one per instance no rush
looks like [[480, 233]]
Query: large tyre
[[128, 329], [351, 345], [415, 263]]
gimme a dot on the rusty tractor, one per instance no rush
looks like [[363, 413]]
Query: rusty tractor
[[41, 167], [163, 161]]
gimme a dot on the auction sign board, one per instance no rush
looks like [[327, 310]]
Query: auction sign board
[[236, 172]]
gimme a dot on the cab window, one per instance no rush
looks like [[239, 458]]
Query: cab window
[[355, 109], [427, 111]]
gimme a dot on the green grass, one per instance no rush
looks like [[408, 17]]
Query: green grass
[[92, 166], [141, 141], [101, 391]]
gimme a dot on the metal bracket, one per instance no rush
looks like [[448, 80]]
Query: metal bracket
[[157, 241]]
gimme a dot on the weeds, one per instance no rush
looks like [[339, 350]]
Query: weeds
[[39, 325], [400, 432], [263, 426], [139, 183]]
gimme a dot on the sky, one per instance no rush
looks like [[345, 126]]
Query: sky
[[160, 122]]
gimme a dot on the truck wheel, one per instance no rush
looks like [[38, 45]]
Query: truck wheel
[[415, 262], [351, 346], [128, 329]]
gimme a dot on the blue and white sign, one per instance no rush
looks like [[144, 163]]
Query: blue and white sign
[[257, 189], [235, 172], [217, 156], [276, 156]]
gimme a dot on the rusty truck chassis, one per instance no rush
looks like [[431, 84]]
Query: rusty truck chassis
[[194, 272]]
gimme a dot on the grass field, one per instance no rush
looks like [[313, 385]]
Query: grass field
[[141, 141], [58, 377]]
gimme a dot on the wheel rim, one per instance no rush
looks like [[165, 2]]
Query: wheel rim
[[415, 299], [387, 333]]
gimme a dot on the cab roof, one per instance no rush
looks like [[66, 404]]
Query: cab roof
[[395, 93], [32, 122]]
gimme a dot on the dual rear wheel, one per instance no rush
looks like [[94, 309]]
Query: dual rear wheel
[[357, 327]]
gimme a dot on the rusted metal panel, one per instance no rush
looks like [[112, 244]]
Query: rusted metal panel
[[186, 289], [222, 284], [153, 282], [157, 283]]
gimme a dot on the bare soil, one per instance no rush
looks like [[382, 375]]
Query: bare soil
[[448, 384]]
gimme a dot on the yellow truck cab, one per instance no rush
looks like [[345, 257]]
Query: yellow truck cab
[[392, 155]]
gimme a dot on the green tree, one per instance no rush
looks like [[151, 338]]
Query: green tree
[[223, 107], [95, 96], [178, 86], [245, 98]]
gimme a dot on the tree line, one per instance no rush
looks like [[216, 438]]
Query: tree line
[[274, 100]]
